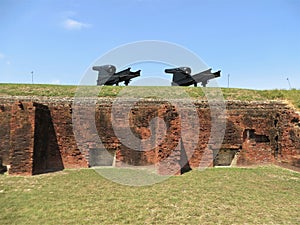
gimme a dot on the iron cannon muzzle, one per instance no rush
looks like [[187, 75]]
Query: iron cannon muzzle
[[186, 70], [170, 70], [108, 68], [217, 74], [136, 73]]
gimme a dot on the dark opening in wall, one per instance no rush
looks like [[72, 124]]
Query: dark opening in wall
[[184, 161], [3, 168], [2, 108], [275, 122], [262, 138], [249, 134], [20, 105], [224, 157], [276, 146]]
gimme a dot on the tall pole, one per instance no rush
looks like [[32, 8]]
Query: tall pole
[[228, 80], [289, 83], [32, 77]]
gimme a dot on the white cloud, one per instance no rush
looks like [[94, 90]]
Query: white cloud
[[2, 56], [8, 62], [71, 24]]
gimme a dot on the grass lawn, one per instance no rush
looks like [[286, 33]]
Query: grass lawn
[[293, 96], [262, 195]]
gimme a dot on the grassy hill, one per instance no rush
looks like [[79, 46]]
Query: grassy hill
[[293, 96]]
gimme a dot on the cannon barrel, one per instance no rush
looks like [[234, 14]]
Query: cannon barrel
[[108, 68], [217, 74], [186, 70], [170, 70]]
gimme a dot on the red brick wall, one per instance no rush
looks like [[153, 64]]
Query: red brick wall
[[61, 115], [5, 115], [22, 138], [42, 136], [42, 139]]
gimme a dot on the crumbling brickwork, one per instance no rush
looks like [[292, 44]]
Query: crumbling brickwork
[[22, 138], [61, 116], [5, 115], [38, 135]]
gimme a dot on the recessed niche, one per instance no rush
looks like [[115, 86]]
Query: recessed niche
[[249, 134], [224, 157]]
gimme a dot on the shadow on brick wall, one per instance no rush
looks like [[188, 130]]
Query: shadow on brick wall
[[46, 156]]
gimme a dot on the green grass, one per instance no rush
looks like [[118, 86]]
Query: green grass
[[37, 90], [262, 195], [293, 96]]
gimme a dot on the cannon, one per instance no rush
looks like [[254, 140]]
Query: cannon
[[107, 75], [182, 76]]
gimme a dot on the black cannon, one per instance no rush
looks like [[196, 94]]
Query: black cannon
[[182, 76], [107, 75]]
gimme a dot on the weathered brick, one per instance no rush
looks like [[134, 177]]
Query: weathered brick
[[38, 135]]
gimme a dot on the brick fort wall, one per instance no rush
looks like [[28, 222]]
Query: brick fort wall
[[37, 135]]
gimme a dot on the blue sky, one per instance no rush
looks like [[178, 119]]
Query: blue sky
[[256, 42]]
